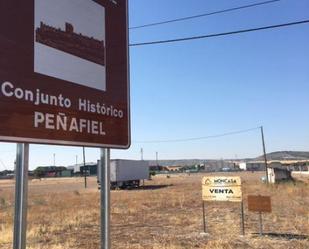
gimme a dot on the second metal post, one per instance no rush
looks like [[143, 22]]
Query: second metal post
[[105, 197], [261, 223], [242, 218], [204, 218]]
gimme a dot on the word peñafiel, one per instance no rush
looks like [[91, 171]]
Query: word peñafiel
[[63, 122]]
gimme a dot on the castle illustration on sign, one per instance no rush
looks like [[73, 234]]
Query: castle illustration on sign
[[85, 47]]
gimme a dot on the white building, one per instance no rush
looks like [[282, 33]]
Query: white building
[[276, 174], [252, 165]]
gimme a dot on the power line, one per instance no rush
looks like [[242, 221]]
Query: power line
[[204, 14], [199, 138], [219, 34]]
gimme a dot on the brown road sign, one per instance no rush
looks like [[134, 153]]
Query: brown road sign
[[259, 203], [64, 72]]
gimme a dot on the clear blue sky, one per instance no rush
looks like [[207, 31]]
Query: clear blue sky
[[211, 86]]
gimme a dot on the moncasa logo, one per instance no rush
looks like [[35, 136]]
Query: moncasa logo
[[220, 181], [207, 181]]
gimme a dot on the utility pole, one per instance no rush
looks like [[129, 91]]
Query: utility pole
[[85, 172], [142, 154], [54, 159], [222, 163], [157, 162], [264, 152]]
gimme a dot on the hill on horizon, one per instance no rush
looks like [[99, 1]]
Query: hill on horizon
[[277, 155], [286, 155]]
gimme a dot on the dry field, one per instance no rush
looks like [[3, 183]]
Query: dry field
[[165, 214]]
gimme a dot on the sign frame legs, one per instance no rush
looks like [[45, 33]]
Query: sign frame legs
[[242, 218], [204, 219], [105, 198], [21, 196], [261, 223]]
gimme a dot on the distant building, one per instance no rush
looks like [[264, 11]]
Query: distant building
[[252, 166], [78, 168], [67, 173], [290, 165], [174, 168], [296, 165], [277, 174], [89, 169]]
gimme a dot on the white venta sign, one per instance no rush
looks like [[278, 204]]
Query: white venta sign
[[221, 188]]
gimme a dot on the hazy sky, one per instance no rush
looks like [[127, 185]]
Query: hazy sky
[[212, 86]]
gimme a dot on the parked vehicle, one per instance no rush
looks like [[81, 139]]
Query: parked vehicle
[[127, 173]]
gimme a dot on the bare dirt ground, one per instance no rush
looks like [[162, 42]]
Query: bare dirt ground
[[165, 214]]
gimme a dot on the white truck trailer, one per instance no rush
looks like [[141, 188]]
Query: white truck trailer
[[127, 173]]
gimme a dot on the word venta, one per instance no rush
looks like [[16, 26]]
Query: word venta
[[221, 191]]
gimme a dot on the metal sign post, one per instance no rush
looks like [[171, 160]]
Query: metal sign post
[[85, 171], [261, 223], [21, 195], [105, 198], [204, 218], [242, 224]]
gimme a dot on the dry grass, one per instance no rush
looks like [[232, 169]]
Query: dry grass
[[63, 215]]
